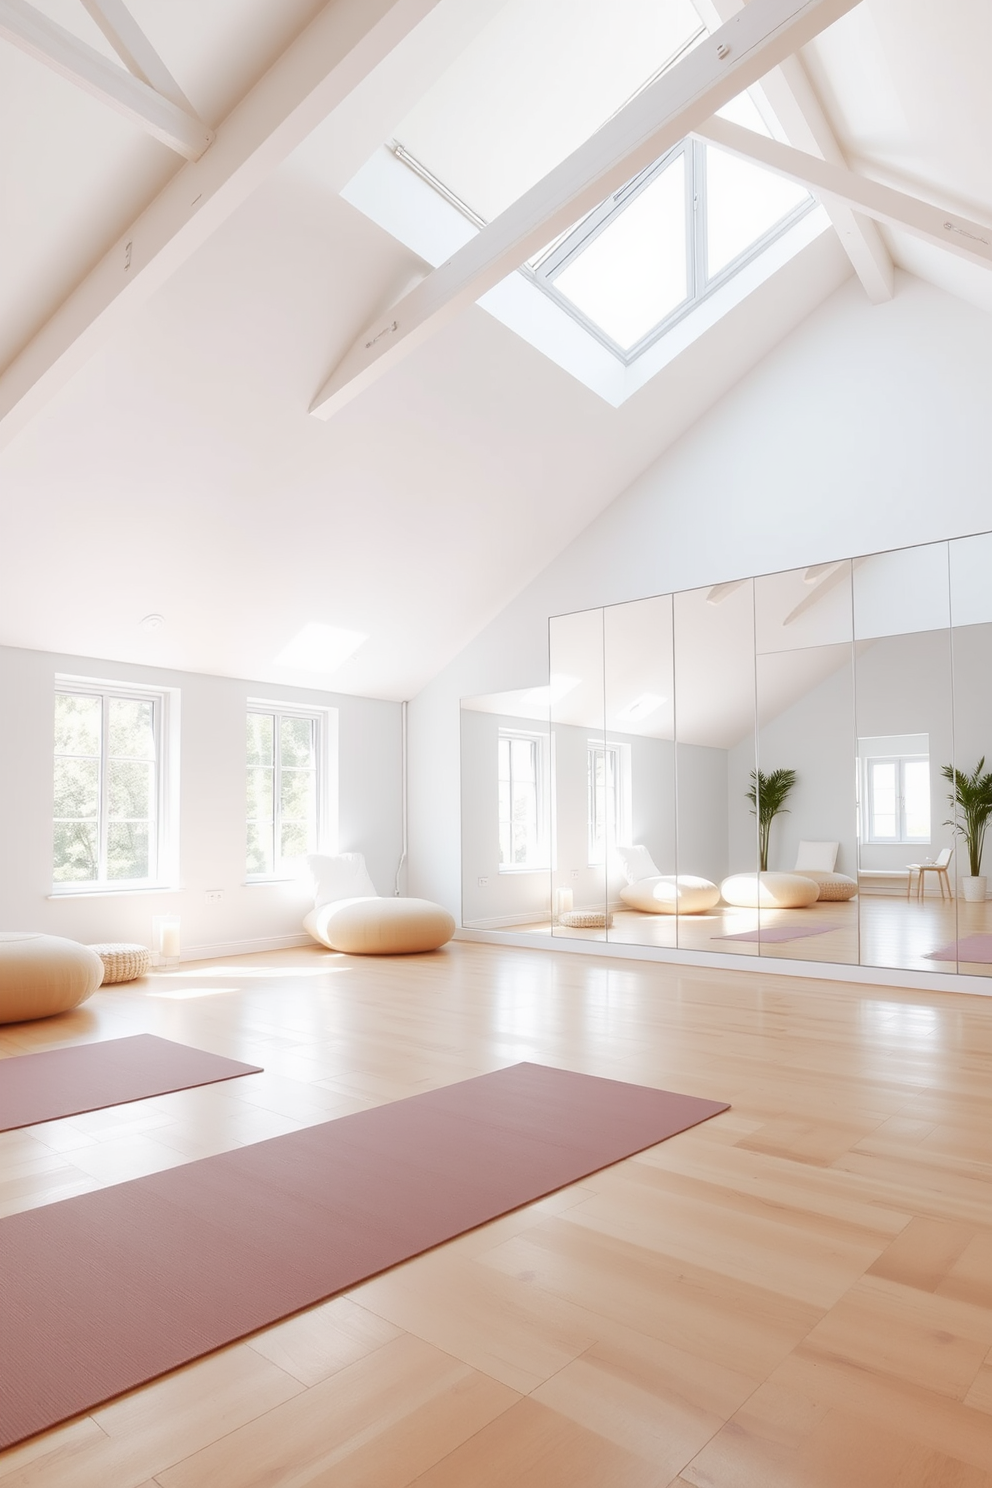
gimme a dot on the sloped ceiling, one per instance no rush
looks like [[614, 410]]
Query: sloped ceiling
[[179, 470]]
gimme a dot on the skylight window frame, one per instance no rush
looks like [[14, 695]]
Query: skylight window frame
[[701, 285]]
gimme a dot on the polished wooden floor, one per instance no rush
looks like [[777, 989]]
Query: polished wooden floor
[[797, 1294]]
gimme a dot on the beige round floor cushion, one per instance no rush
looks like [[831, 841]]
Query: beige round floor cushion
[[769, 891], [833, 886], [667, 893], [123, 961], [43, 974], [380, 927]]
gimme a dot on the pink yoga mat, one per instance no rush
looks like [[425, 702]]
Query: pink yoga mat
[[87, 1077], [105, 1291], [780, 932], [977, 948]]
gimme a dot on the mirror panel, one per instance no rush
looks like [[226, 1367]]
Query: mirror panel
[[506, 811], [714, 755], [904, 718], [805, 708], [640, 740], [615, 803], [583, 785], [971, 647]]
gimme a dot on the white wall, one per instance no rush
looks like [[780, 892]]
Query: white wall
[[866, 429], [212, 808]]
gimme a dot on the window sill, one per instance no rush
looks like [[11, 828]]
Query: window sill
[[105, 891], [261, 883], [518, 871]]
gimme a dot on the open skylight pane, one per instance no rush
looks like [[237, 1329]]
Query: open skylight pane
[[538, 81], [635, 273], [743, 202]]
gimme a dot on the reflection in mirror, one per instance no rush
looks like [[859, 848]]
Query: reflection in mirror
[[906, 856], [506, 811], [805, 706], [586, 785], [971, 647], [714, 732], [640, 742]]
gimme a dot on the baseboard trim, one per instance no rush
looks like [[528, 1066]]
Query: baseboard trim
[[221, 948], [828, 971]]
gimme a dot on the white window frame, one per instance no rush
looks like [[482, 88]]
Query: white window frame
[[542, 848], [325, 722], [899, 759], [163, 834], [621, 800], [701, 285]]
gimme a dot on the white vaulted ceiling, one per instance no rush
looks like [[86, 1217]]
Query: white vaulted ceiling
[[178, 470]]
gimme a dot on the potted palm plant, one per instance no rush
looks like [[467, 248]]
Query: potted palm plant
[[768, 795], [971, 801]]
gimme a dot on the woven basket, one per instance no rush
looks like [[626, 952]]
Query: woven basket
[[122, 962], [585, 919]]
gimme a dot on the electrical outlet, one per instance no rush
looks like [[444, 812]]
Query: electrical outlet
[[575, 872], [483, 883], [214, 896]]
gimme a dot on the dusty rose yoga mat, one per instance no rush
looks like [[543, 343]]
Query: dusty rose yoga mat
[[107, 1290], [86, 1077], [971, 948], [780, 932]]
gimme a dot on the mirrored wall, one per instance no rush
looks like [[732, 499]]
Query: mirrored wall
[[795, 765]]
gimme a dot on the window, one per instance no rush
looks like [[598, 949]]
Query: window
[[109, 818], [522, 795], [286, 787], [896, 790], [664, 242], [607, 798]]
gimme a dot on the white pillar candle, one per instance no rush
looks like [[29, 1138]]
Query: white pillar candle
[[564, 900], [165, 938]]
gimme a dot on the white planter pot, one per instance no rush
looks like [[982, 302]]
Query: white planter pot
[[974, 889]]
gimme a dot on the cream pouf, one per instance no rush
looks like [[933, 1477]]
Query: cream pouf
[[769, 891], [44, 974], [380, 927], [122, 962], [669, 893], [832, 886], [585, 919]]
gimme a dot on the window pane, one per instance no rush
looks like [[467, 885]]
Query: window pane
[[132, 728], [260, 738], [299, 796], [259, 858], [296, 740], [743, 202], [130, 786], [78, 723], [77, 788], [916, 791], [635, 272], [295, 840], [261, 802], [76, 852], [883, 799], [127, 850]]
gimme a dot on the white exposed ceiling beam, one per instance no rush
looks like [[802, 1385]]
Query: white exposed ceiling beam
[[135, 50], [752, 42], [340, 48], [48, 42], [797, 108], [970, 240]]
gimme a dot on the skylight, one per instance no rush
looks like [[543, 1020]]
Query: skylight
[[539, 80], [622, 292]]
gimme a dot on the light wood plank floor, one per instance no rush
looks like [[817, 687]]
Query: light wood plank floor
[[797, 1294]]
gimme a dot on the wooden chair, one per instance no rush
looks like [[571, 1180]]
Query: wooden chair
[[938, 866]]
